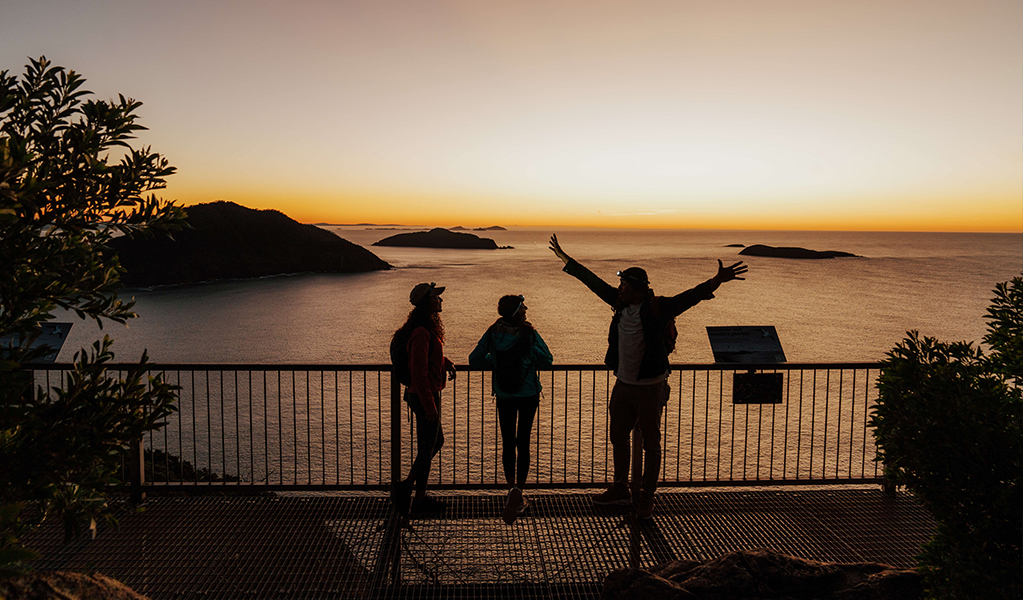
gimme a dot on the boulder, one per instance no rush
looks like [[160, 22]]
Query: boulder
[[55, 585], [763, 575]]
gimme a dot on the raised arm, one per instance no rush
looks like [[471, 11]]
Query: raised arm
[[605, 291], [556, 249], [705, 291], [730, 272]]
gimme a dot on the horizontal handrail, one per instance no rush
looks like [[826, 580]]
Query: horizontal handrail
[[305, 427], [386, 367]]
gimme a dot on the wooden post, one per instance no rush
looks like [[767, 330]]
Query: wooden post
[[395, 429], [136, 471], [637, 462]]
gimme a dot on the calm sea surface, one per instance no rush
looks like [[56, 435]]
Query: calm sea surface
[[851, 309]]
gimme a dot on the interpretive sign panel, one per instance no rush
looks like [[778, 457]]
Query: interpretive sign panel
[[745, 344], [52, 337]]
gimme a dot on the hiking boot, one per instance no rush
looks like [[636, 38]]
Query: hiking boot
[[428, 504], [645, 505], [616, 494], [511, 507], [524, 506], [401, 497]]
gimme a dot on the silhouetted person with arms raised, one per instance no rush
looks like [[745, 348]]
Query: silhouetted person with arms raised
[[637, 352], [514, 350], [427, 365]]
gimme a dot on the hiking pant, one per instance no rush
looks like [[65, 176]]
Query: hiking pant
[[429, 440], [633, 405], [509, 410]]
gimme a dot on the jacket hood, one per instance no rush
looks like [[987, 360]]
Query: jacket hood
[[505, 334]]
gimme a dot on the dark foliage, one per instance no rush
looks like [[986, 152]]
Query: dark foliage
[[949, 426]]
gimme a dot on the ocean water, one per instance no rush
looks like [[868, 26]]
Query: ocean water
[[849, 309]]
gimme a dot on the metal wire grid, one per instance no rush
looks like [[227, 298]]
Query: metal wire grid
[[331, 547]]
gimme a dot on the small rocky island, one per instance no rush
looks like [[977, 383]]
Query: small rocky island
[[788, 252], [439, 238], [230, 241]]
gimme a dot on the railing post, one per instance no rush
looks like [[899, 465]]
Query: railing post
[[136, 471], [395, 429]]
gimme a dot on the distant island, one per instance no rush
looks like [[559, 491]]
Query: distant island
[[786, 252], [229, 241], [438, 238], [491, 228], [358, 224]]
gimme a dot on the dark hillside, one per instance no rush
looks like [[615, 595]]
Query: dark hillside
[[229, 241]]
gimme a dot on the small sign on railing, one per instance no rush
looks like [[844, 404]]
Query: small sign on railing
[[750, 345]]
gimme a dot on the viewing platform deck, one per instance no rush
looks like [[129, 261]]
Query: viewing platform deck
[[351, 545]]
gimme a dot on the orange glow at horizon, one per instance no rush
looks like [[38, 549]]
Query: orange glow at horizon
[[869, 115]]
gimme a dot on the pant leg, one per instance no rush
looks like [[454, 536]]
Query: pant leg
[[527, 412], [622, 419], [650, 401], [429, 439], [507, 414]]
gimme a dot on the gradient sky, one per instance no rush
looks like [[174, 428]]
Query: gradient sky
[[876, 115]]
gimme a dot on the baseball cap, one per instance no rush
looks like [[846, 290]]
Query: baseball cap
[[423, 291]]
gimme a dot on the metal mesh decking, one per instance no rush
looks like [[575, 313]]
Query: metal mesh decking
[[341, 547]]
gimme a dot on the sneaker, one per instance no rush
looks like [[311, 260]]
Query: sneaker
[[511, 507], [428, 504], [524, 506], [645, 505], [616, 494], [401, 497]]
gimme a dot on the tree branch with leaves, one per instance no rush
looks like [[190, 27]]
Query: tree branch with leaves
[[70, 181]]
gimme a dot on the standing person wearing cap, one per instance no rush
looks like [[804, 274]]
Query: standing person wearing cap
[[514, 350], [425, 334], [638, 352]]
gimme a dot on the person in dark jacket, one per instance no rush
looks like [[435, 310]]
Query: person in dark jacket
[[637, 352], [428, 366], [513, 350]]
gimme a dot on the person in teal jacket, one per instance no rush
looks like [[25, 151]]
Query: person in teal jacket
[[513, 350]]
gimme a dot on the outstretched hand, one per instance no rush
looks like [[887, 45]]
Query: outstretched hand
[[730, 272], [451, 371], [556, 248]]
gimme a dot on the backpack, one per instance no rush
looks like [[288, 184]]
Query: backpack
[[399, 357], [510, 370], [400, 367]]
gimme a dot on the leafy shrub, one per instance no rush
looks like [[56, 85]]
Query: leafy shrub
[[949, 427], [69, 183]]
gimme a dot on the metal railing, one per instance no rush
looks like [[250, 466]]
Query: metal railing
[[338, 427]]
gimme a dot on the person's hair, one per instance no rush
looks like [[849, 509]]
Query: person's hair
[[518, 318], [422, 316]]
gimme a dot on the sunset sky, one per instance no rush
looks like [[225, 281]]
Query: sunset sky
[[805, 114]]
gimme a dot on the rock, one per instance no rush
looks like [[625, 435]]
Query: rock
[[229, 241], [763, 575], [735, 246], [788, 252], [47, 585], [438, 238]]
